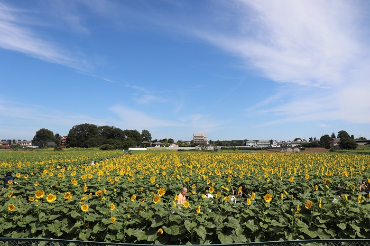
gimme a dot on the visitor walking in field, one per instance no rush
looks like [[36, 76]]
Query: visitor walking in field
[[7, 178], [181, 196]]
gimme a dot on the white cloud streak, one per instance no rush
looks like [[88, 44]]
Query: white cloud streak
[[14, 36], [316, 45]]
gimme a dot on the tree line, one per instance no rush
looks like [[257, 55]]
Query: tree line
[[346, 141], [90, 135]]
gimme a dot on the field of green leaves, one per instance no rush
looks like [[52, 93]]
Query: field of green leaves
[[132, 198]]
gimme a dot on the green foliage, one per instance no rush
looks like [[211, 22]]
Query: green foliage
[[325, 141], [43, 136], [343, 134], [347, 143], [58, 148], [138, 219], [107, 147]]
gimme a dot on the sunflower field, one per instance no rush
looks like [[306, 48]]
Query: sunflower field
[[133, 198]]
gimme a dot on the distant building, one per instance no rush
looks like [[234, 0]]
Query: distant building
[[263, 143], [63, 141], [4, 144], [335, 143], [158, 144], [251, 143], [200, 138], [25, 143]]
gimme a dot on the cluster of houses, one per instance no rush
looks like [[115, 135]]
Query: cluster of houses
[[22, 143], [198, 139]]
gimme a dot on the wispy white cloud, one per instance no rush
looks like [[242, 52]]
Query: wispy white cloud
[[322, 125], [148, 98], [318, 46], [31, 117], [17, 37], [134, 119]]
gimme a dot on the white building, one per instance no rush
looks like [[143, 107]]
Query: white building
[[200, 138]]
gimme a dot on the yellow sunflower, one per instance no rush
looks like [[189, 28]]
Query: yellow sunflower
[[248, 201], [133, 198], [113, 219], [160, 230], [198, 210], [11, 207], [268, 197], [308, 204], [112, 207], [39, 194], [211, 190], [152, 180], [51, 198], [161, 191], [67, 195], [156, 199], [10, 194], [253, 196], [186, 204], [227, 198], [31, 199], [85, 207]]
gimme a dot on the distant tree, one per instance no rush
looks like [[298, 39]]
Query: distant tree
[[43, 136], [236, 142], [333, 135], [310, 139], [347, 143], [134, 135], [83, 135], [14, 141], [170, 141], [128, 142], [343, 134], [325, 141], [57, 139], [146, 136], [361, 138], [312, 144]]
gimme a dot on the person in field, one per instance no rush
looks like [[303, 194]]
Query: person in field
[[181, 196], [364, 187], [207, 194], [7, 178], [243, 191]]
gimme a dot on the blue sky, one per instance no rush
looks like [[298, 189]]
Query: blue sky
[[231, 69]]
